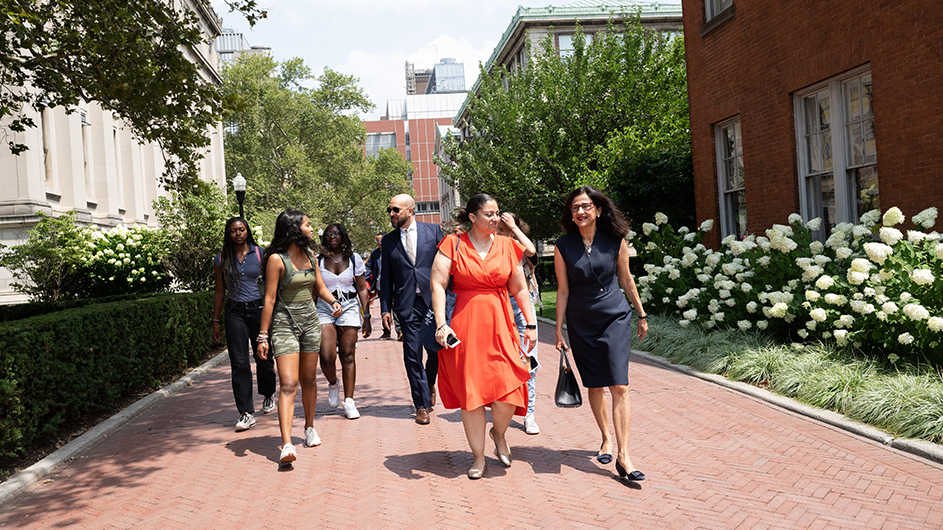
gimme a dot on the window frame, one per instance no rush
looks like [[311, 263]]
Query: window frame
[[728, 221], [845, 201]]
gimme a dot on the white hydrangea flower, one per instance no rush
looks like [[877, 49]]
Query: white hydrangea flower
[[843, 252], [779, 310], [915, 236], [763, 243], [916, 312], [803, 333], [811, 325], [922, 276], [718, 316], [683, 230], [703, 278], [647, 228], [893, 217], [811, 295], [761, 324], [723, 293], [795, 218], [938, 250], [683, 323], [660, 218], [706, 225], [821, 259], [870, 218], [818, 314], [674, 274], [836, 240], [690, 314], [730, 302], [841, 336], [861, 265], [890, 235], [713, 259], [860, 231], [905, 297], [751, 307], [889, 308], [824, 282], [690, 237], [845, 321], [935, 324], [834, 299], [926, 218], [745, 287], [881, 315], [744, 324], [764, 260], [814, 224], [856, 278], [878, 252], [905, 338]]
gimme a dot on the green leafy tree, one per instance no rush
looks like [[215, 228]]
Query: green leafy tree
[[194, 223], [613, 114], [302, 147], [130, 57], [48, 267]]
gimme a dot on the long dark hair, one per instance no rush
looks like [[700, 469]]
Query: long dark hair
[[287, 231], [610, 219], [474, 204], [228, 262], [347, 248]]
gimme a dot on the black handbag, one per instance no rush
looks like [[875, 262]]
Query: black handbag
[[567, 394]]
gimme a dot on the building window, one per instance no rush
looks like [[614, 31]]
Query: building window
[[733, 201], [838, 177], [716, 7], [565, 43], [427, 207], [376, 141]]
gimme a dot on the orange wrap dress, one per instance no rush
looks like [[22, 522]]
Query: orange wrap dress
[[487, 365]]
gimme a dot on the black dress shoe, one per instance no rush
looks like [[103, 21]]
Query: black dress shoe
[[635, 476], [604, 458]]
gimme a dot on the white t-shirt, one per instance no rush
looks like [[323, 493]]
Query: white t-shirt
[[343, 282]]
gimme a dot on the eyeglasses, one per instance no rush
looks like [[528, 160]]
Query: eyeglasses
[[575, 208], [395, 209]]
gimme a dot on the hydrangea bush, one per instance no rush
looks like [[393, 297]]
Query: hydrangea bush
[[869, 285], [125, 260]]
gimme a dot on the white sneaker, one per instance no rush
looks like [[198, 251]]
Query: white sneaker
[[288, 454], [530, 425], [245, 422], [311, 437], [333, 395], [350, 409], [268, 405]]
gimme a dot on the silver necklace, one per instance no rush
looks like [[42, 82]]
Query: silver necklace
[[589, 248], [335, 259]]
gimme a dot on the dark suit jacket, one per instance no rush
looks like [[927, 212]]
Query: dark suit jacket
[[399, 277], [372, 269]]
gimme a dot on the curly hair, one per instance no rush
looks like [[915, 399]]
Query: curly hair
[[287, 231], [228, 262], [610, 219], [347, 248]]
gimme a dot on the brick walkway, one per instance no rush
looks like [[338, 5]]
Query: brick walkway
[[714, 458]]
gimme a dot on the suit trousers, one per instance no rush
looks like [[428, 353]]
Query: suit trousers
[[242, 327], [420, 377]]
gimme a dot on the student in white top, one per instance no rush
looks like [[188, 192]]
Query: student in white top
[[343, 272]]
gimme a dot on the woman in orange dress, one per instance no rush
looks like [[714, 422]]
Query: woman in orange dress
[[487, 368]]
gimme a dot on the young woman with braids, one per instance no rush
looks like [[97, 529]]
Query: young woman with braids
[[293, 318], [343, 272], [237, 268]]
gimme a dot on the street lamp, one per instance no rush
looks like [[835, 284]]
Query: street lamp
[[239, 184]]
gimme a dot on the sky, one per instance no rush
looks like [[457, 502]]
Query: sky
[[372, 39]]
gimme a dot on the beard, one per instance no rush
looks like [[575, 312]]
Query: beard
[[400, 222]]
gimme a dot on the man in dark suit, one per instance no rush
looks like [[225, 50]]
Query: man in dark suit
[[406, 259], [373, 278]]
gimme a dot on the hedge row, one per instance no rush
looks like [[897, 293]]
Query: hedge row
[[60, 366], [9, 313]]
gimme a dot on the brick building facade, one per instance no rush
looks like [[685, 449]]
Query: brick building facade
[[827, 109]]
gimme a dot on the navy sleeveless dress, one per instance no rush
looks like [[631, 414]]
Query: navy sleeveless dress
[[597, 312]]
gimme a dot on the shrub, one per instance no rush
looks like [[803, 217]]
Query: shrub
[[60, 366], [48, 266], [124, 260], [850, 289]]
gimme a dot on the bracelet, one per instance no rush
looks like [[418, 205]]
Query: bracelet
[[215, 321], [530, 326], [336, 302], [643, 317], [440, 327]]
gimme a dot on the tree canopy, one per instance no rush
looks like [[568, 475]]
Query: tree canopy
[[129, 57], [301, 147], [613, 114]]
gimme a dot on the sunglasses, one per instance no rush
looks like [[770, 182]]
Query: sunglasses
[[394, 209]]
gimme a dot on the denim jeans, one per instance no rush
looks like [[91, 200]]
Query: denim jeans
[[532, 382], [242, 327]]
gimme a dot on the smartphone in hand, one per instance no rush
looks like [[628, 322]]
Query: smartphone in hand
[[452, 341]]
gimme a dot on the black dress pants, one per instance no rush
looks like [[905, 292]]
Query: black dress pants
[[242, 328]]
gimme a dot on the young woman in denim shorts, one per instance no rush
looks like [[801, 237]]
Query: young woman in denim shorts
[[343, 273], [293, 319]]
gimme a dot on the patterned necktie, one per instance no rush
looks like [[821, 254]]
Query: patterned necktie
[[410, 249]]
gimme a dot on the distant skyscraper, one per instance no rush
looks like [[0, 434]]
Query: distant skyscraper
[[448, 77], [230, 45]]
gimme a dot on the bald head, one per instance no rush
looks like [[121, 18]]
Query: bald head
[[401, 210]]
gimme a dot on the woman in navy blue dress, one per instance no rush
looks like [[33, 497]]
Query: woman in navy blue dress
[[592, 262]]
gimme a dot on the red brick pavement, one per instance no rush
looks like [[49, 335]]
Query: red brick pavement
[[714, 458]]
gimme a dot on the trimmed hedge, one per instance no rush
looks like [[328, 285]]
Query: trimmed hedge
[[61, 366], [9, 313]]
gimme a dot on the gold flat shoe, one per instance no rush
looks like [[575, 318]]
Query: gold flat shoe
[[476, 473], [505, 459]]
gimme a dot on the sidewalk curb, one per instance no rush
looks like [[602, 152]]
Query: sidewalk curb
[[66, 453], [921, 448]]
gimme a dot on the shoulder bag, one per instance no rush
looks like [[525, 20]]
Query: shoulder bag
[[567, 393]]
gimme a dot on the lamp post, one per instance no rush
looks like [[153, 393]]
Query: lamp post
[[239, 184]]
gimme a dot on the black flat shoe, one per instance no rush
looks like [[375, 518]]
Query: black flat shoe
[[604, 458], [635, 476]]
